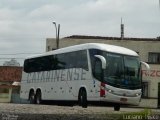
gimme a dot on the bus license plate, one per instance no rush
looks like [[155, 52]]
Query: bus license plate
[[123, 99]]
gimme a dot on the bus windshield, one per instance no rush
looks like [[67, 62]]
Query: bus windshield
[[122, 71]]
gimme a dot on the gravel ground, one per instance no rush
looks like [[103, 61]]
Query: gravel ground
[[51, 112]]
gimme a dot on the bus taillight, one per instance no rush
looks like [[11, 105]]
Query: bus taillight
[[102, 90]]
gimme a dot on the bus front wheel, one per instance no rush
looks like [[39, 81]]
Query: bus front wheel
[[117, 107], [83, 98], [38, 99]]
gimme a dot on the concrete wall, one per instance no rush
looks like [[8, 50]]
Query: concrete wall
[[148, 103], [8, 75], [6, 97], [143, 47], [153, 78]]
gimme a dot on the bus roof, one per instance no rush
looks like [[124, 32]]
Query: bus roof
[[100, 46]]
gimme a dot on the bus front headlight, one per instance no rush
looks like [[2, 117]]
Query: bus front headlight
[[137, 94], [110, 91]]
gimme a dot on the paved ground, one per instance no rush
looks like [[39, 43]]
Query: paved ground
[[50, 112]]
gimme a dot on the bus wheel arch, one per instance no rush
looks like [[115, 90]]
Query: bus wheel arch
[[31, 96], [82, 97]]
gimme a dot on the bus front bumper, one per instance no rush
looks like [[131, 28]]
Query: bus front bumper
[[109, 97]]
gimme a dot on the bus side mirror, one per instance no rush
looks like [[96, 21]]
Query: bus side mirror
[[146, 65], [148, 69], [102, 59]]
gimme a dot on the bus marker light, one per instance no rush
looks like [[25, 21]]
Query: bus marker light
[[137, 94]]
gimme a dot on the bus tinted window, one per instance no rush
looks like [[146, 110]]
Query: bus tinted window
[[82, 61], [60, 61], [77, 59]]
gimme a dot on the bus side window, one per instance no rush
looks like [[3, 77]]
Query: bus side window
[[60, 61], [53, 62], [83, 60], [76, 59], [72, 60], [31, 65], [26, 66]]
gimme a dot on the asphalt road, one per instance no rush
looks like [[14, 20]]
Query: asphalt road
[[50, 112]]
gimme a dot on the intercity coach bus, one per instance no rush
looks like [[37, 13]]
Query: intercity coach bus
[[84, 73]]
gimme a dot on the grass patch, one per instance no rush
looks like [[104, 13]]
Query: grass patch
[[145, 114]]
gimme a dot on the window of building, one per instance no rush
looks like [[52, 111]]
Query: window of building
[[154, 58], [144, 89]]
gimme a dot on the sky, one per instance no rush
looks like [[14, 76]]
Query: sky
[[25, 24]]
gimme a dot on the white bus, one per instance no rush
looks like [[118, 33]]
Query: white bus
[[83, 73]]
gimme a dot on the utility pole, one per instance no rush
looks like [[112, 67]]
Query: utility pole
[[122, 30], [57, 34]]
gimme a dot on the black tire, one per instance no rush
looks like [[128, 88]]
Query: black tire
[[83, 98], [32, 98], [117, 107], [38, 98]]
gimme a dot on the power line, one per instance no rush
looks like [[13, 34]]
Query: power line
[[12, 58], [19, 53]]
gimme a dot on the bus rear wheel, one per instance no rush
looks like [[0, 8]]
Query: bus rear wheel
[[38, 99], [83, 98]]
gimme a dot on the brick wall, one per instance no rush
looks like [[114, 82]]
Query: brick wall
[[10, 74]]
